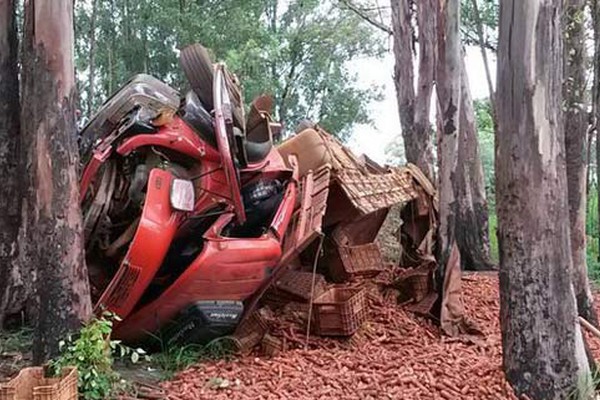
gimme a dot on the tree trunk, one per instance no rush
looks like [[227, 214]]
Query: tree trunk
[[472, 231], [588, 148], [449, 99], [576, 124], [13, 289], [423, 133], [52, 228], [596, 98], [486, 64], [92, 62], [414, 108], [543, 352]]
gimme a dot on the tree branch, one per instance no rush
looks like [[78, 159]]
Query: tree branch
[[379, 25], [486, 64]]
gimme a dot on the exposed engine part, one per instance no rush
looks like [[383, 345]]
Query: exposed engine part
[[99, 204], [123, 239], [138, 183]]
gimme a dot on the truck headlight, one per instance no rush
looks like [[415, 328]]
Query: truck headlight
[[182, 195]]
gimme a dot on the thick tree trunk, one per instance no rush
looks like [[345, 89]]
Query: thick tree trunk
[[423, 132], [448, 94], [576, 124], [51, 230], [414, 108], [13, 289], [543, 352], [472, 231]]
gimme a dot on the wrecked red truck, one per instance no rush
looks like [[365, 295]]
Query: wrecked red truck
[[185, 205], [191, 212]]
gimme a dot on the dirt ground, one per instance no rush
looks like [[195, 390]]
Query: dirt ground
[[395, 355]]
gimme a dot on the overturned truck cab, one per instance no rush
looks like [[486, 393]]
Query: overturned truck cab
[[186, 204]]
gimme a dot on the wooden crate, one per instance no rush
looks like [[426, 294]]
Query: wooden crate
[[30, 384]]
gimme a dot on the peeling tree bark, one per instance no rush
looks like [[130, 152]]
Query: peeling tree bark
[[414, 107], [543, 352], [576, 127], [448, 83], [51, 229], [472, 231], [12, 288]]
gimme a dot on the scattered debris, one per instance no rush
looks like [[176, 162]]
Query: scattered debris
[[394, 355], [197, 226]]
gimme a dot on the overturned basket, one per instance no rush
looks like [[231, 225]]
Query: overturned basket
[[30, 384], [249, 333], [416, 283], [339, 311], [350, 262]]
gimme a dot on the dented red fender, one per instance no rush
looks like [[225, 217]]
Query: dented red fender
[[226, 269], [147, 250]]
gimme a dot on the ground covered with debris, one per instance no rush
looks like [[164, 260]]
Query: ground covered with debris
[[394, 355]]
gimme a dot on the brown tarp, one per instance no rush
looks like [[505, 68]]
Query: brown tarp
[[453, 319]]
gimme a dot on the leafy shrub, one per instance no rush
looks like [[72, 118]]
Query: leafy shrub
[[93, 353]]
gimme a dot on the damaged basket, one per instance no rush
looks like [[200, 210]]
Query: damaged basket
[[271, 345], [416, 283], [339, 312], [30, 384], [249, 333], [355, 261], [299, 285]]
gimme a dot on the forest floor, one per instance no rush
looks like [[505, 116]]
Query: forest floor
[[395, 355]]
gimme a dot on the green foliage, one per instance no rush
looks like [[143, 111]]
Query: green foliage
[[394, 152], [176, 358], [93, 353], [14, 343], [17, 341], [295, 50], [593, 254], [485, 136], [587, 384], [493, 233], [489, 14]]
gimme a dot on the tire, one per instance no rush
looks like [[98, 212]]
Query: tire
[[198, 69]]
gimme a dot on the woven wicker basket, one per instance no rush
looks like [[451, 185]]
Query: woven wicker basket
[[30, 384]]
